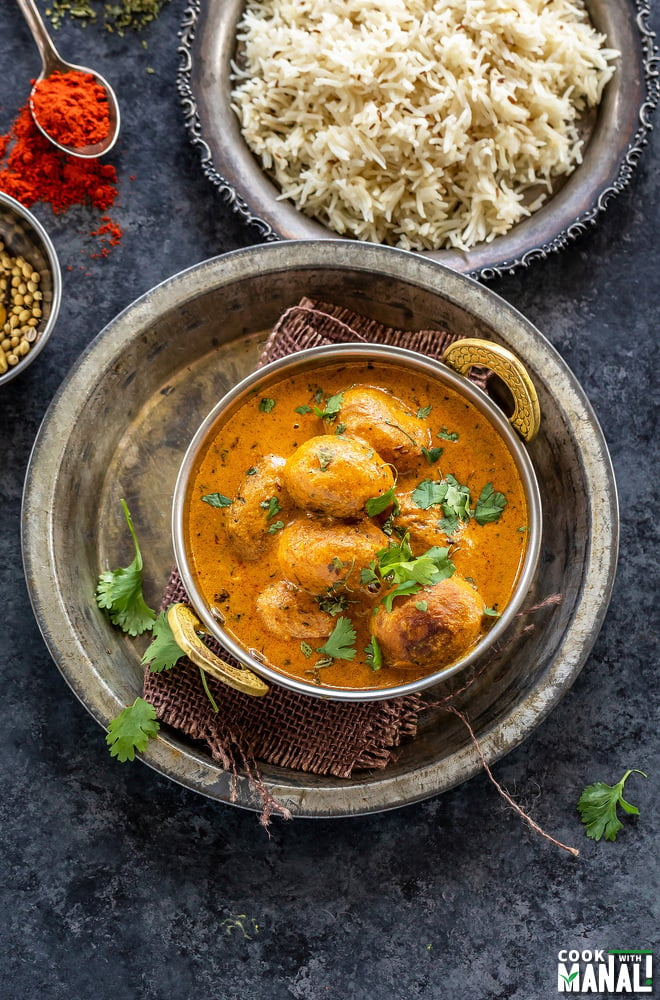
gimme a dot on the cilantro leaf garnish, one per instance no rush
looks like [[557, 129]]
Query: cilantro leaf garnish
[[423, 412], [275, 527], [162, 652], [447, 493], [271, 506], [432, 455], [492, 613], [409, 574], [457, 501], [306, 649], [341, 642], [448, 524], [422, 605], [303, 409], [427, 493], [374, 654], [132, 729], [489, 505], [368, 575], [266, 405], [331, 602], [217, 499], [446, 435], [403, 590], [340, 429], [330, 408], [598, 804], [393, 554], [376, 505], [119, 591]]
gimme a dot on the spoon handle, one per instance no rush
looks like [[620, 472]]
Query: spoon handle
[[50, 57]]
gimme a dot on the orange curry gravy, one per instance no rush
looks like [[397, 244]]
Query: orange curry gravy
[[237, 553]]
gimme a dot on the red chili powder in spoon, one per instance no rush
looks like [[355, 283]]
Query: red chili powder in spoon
[[72, 108]]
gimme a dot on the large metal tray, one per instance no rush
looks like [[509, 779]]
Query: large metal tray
[[614, 139], [119, 427]]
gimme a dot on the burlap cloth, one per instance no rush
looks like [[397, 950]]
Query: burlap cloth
[[285, 728]]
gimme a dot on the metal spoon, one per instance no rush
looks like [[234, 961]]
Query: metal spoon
[[52, 61]]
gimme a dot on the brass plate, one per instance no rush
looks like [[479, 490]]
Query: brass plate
[[119, 427]]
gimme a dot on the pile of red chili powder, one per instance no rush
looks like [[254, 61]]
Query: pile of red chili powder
[[32, 169], [72, 108]]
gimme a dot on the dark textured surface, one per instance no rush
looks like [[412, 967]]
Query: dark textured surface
[[115, 881]]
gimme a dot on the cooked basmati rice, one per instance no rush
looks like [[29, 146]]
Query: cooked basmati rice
[[418, 123]]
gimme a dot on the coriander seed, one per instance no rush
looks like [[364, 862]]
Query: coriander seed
[[20, 309]]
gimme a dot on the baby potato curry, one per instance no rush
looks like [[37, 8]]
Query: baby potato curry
[[359, 532]]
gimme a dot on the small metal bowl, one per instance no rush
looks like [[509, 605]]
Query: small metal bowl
[[23, 235], [456, 362]]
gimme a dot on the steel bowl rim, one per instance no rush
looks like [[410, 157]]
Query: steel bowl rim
[[304, 361], [56, 276]]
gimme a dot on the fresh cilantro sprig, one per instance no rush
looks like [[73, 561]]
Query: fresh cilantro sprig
[[330, 408], [397, 567], [119, 591], [162, 652], [132, 729], [598, 804], [324, 409], [376, 505], [432, 455], [427, 493], [341, 641], [489, 505], [454, 500], [452, 497]]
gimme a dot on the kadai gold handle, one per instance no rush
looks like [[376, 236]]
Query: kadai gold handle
[[185, 625], [463, 354]]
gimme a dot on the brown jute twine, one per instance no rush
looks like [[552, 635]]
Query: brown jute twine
[[286, 729]]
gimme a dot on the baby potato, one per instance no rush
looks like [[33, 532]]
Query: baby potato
[[411, 637], [246, 520], [336, 475], [318, 552], [291, 613], [387, 424]]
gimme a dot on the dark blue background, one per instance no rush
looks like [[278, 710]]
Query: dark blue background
[[117, 883]]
